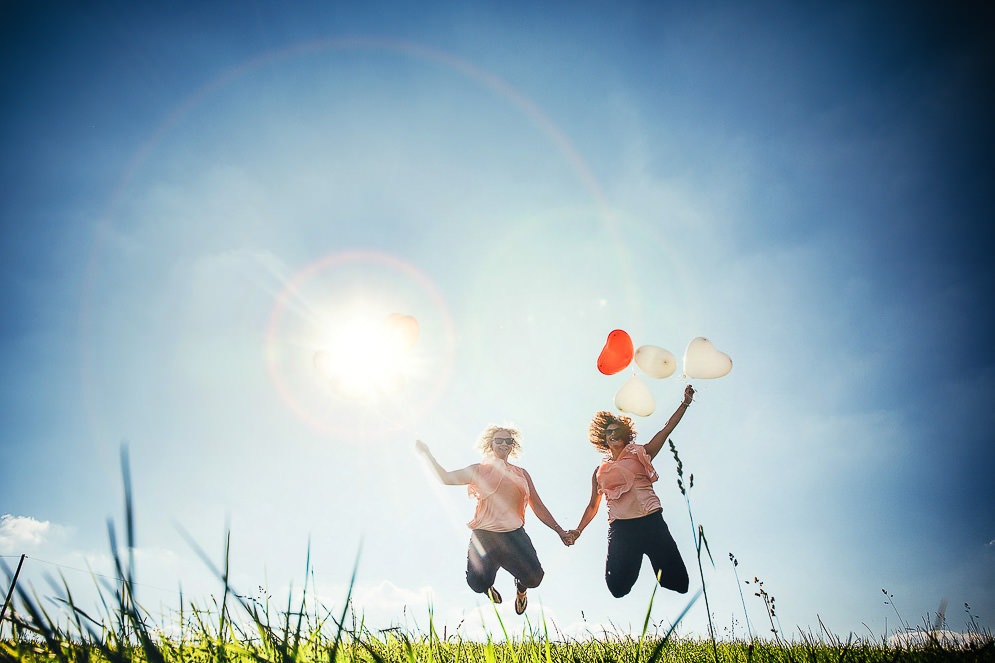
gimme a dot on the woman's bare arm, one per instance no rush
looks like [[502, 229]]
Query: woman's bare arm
[[541, 512], [654, 445], [592, 507], [454, 478]]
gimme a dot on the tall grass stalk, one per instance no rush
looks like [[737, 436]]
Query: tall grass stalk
[[699, 539], [769, 604], [658, 650], [511, 649], [646, 620], [739, 586], [890, 600]]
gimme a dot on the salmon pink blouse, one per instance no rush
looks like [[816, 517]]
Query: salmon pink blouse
[[502, 491], [627, 483]]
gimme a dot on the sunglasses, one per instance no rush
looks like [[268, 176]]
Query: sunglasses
[[503, 440]]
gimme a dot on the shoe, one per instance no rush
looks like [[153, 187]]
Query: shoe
[[493, 595], [521, 600]]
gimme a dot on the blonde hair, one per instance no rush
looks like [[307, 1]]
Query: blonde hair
[[601, 421], [484, 441]]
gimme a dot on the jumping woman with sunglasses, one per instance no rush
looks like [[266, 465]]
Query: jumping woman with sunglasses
[[635, 515], [498, 538]]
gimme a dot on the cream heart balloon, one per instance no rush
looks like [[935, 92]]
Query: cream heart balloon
[[656, 362], [635, 397], [702, 360]]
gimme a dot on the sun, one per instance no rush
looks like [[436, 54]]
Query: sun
[[367, 355], [359, 344]]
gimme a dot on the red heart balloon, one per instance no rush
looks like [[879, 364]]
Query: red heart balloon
[[617, 353]]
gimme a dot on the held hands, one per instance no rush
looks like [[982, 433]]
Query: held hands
[[569, 537]]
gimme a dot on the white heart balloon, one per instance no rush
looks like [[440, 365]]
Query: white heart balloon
[[656, 362], [702, 360], [635, 397]]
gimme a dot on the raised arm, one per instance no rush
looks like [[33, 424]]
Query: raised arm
[[654, 445], [591, 510], [454, 478], [543, 514]]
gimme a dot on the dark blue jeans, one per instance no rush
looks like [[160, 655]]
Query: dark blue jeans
[[512, 551], [631, 538]]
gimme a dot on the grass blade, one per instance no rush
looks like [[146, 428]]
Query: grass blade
[[658, 649]]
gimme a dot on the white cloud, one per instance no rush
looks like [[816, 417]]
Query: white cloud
[[19, 534], [379, 598], [584, 630]]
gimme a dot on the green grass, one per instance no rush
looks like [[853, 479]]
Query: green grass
[[345, 643], [241, 628]]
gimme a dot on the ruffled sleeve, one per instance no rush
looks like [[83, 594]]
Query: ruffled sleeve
[[614, 479], [639, 451]]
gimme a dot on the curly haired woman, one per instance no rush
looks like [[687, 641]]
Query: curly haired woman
[[635, 516], [498, 538]]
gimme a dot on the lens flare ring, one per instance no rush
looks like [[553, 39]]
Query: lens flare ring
[[360, 380], [144, 154]]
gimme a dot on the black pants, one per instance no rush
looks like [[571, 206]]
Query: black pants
[[631, 538], [512, 551]]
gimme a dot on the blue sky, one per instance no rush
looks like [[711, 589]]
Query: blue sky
[[193, 197]]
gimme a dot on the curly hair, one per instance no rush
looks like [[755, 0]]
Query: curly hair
[[484, 441], [601, 421]]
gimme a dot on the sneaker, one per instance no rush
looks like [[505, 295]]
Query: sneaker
[[493, 595], [521, 600]]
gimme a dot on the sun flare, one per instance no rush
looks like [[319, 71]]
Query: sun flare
[[367, 356]]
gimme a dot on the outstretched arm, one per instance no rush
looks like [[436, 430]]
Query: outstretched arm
[[542, 513], [591, 510], [454, 478], [654, 445]]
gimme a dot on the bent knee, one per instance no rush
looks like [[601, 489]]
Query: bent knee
[[679, 585], [532, 580], [618, 589], [618, 592], [477, 583]]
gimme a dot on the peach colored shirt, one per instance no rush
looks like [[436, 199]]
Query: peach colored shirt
[[502, 491], [627, 483]]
